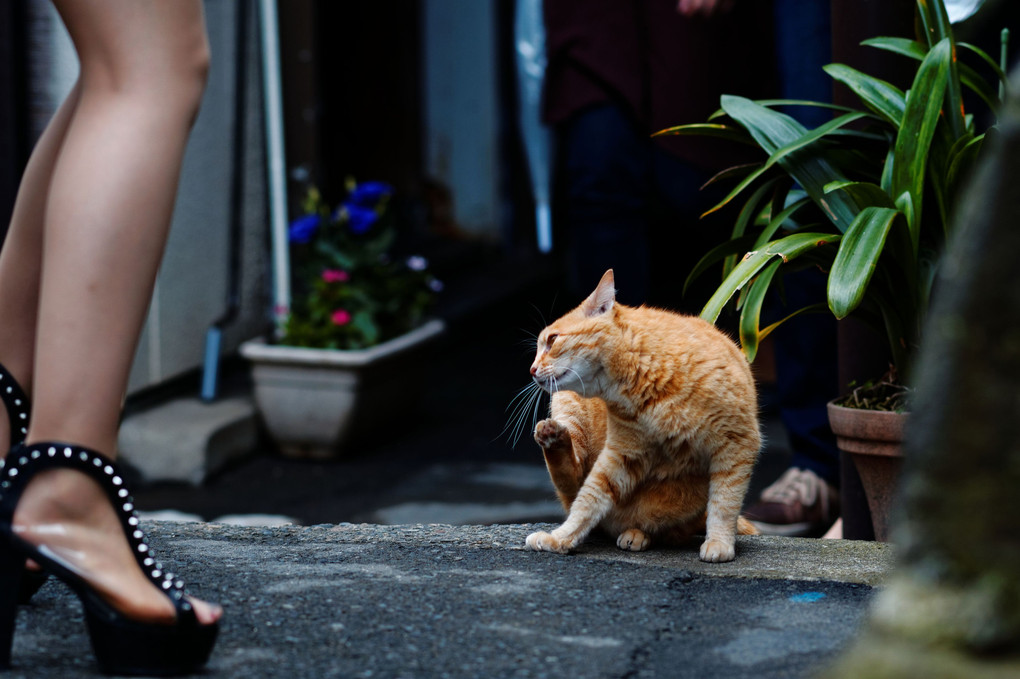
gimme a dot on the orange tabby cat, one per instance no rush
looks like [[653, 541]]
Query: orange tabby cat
[[653, 430]]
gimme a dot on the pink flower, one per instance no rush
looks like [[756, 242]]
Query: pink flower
[[341, 317], [335, 276]]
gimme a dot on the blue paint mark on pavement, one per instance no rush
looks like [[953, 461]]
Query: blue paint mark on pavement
[[807, 597]]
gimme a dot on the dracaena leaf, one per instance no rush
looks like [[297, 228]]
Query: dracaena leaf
[[885, 99], [857, 259], [787, 248], [750, 314], [772, 131], [913, 141]]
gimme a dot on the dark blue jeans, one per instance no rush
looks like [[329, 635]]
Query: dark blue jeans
[[805, 347], [632, 207], [806, 376]]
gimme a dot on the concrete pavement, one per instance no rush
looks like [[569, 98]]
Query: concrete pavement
[[468, 601]]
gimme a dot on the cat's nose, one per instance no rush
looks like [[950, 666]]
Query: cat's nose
[[534, 370]]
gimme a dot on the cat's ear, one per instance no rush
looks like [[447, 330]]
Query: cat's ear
[[604, 297]]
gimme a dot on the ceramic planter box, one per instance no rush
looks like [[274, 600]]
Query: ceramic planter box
[[313, 400]]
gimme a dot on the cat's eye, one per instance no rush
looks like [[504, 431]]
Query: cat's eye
[[549, 340]]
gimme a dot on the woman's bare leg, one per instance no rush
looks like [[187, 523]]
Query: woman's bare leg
[[21, 257], [106, 219]]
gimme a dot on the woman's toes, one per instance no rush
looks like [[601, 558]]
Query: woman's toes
[[205, 612]]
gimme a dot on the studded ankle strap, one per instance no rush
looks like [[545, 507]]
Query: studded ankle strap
[[24, 462], [16, 403]]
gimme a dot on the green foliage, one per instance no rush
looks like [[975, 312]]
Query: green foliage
[[349, 292], [877, 186]]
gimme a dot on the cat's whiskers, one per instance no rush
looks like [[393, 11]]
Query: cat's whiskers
[[528, 400], [530, 341], [534, 412]]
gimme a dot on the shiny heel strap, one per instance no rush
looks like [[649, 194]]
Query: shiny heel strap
[[16, 402], [24, 462]]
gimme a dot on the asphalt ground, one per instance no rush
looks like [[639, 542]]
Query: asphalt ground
[[441, 601]]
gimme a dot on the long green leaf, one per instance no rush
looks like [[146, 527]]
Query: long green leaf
[[731, 173], [813, 136], [726, 132], [865, 194], [934, 20], [719, 113], [772, 131], [885, 99], [747, 214], [913, 141], [716, 255], [750, 315], [942, 148], [752, 208], [938, 29], [777, 221], [962, 162], [981, 87], [905, 46], [857, 259], [737, 190], [820, 307], [787, 248], [896, 335], [999, 73], [968, 76], [886, 180]]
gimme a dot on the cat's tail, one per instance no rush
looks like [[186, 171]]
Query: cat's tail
[[745, 527]]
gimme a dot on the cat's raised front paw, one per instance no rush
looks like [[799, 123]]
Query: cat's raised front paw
[[716, 550], [633, 540], [550, 434], [546, 542]]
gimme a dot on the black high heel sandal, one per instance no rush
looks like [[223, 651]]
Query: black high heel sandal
[[17, 405], [122, 646], [19, 408]]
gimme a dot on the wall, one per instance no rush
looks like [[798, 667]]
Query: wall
[[461, 108]]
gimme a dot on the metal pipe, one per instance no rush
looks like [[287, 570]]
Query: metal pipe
[[214, 334], [529, 44], [276, 159]]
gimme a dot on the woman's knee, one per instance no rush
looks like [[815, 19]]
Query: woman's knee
[[181, 78], [170, 88], [192, 77], [150, 53]]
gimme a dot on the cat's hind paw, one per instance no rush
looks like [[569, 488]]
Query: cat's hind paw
[[715, 550], [551, 434], [633, 540], [546, 542]]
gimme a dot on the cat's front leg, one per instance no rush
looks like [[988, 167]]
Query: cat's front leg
[[546, 542], [611, 479], [565, 469]]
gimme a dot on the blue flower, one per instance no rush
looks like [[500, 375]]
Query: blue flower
[[368, 194], [360, 218], [304, 228]]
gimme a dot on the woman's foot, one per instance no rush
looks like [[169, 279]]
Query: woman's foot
[[71, 515]]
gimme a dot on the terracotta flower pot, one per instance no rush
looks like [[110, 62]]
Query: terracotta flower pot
[[313, 400], [874, 440]]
